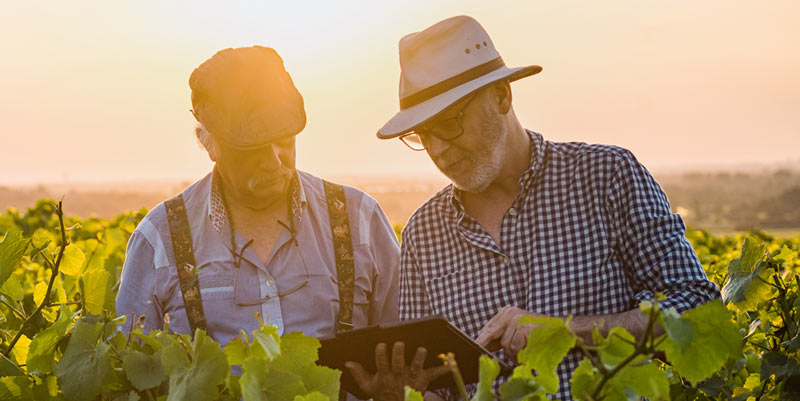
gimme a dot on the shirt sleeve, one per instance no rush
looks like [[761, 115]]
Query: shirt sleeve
[[414, 302], [654, 249], [137, 286], [386, 255]]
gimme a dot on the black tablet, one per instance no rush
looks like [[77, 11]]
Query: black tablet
[[434, 333]]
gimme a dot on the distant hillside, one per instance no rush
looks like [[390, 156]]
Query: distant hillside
[[720, 201]]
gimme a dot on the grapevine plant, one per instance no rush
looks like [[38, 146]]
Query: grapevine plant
[[60, 338]]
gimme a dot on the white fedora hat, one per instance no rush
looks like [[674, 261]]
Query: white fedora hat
[[441, 65]]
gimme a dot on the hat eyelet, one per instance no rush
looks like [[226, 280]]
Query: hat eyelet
[[478, 46], [466, 51], [484, 44]]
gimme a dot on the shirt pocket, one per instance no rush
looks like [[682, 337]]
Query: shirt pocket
[[216, 280]]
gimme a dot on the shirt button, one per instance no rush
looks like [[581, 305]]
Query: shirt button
[[269, 282], [506, 261], [512, 211]]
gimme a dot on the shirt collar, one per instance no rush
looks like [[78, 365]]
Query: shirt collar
[[525, 180], [216, 208]]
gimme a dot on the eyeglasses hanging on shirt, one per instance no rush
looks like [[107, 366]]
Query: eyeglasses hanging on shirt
[[238, 256]]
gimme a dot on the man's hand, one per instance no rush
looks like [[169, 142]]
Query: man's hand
[[504, 331], [388, 383]]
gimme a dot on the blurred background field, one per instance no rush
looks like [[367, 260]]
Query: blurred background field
[[722, 202]]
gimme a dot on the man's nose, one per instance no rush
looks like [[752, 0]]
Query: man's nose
[[436, 146], [270, 159]]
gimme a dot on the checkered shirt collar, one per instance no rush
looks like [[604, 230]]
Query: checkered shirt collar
[[537, 160], [216, 208]]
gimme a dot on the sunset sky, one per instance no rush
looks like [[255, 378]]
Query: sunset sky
[[98, 90]]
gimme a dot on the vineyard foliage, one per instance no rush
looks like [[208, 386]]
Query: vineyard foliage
[[60, 337]]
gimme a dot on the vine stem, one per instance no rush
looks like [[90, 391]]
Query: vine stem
[[450, 361], [53, 275], [641, 348]]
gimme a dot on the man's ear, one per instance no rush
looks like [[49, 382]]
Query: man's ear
[[502, 92]]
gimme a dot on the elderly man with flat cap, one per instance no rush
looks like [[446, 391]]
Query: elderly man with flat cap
[[256, 235], [528, 226]]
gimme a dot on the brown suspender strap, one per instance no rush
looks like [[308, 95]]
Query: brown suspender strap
[[343, 251], [184, 262]]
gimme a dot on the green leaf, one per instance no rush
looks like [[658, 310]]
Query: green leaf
[[72, 261], [522, 389], [144, 371], [547, 346], [13, 288], [40, 355], [97, 288], [678, 330], [412, 395], [489, 369], [645, 380], [268, 341], [313, 396], [9, 368], [15, 388], [86, 365], [617, 347], [321, 379], [260, 384], [20, 351], [584, 380], [296, 350], [39, 291], [235, 350], [198, 382], [716, 339], [785, 256], [746, 286], [12, 247]]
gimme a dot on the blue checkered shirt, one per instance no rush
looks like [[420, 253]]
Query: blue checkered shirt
[[590, 233]]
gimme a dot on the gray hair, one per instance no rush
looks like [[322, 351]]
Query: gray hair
[[207, 141]]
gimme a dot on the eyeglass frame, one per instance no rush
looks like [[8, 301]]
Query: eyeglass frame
[[431, 132], [280, 294]]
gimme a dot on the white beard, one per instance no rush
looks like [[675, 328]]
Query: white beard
[[484, 166]]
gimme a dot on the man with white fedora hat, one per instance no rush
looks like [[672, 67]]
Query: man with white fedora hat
[[529, 227]]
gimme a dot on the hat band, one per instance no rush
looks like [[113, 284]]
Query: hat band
[[450, 83]]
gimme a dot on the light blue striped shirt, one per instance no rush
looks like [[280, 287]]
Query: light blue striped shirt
[[231, 295]]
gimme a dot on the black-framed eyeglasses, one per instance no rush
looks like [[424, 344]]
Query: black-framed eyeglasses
[[447, 129]]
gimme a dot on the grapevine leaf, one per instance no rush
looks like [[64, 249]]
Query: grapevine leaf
[[235, 350], [97, 287], [209, 367], [15, 388], [489, 369], [20, 351], [584, 380], [746, 286], [785, 256], [72, 261], [296, 350], [40, 355], [260, 384], [412, 395], [522, 389], [678, 330], [12, 247], [173, 357], [617, 347], [86, 365], [321, 379], [645, 380], [547, 345], [8, 368], [716, 338], [13, 288], [268, 341], [39, 291], [313, 396], [144, 371]]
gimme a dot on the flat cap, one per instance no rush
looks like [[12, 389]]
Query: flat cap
[[245, 98]]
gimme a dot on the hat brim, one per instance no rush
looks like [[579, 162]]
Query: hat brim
[[407, 119]]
